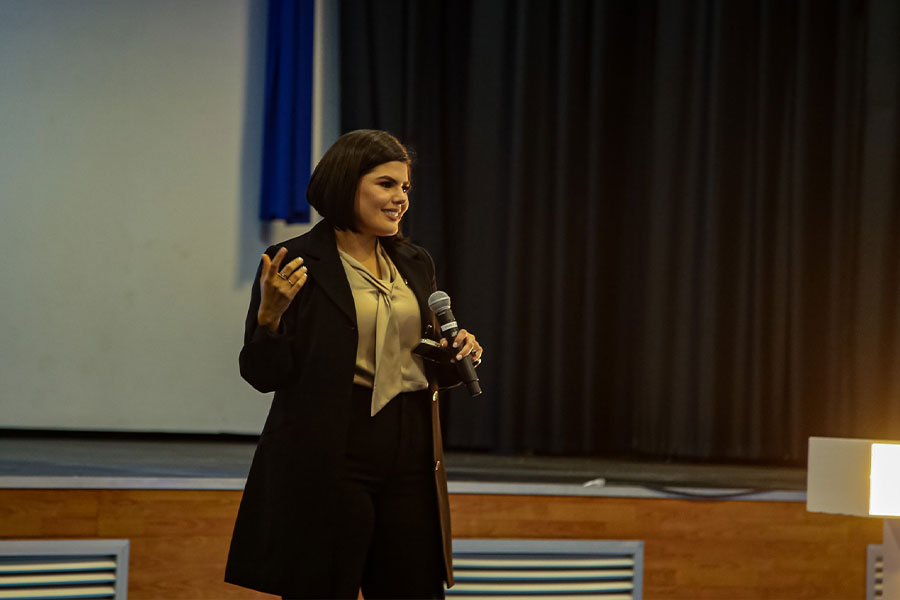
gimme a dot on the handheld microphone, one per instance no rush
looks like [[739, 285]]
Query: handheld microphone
[[439, 303]]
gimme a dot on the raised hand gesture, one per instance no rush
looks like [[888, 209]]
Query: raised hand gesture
[[278, 287]]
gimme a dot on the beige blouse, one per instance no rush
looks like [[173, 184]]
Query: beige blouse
[[389, 326]]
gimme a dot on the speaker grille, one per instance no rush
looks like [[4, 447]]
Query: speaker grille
[[63, 569], [874, 572], [555, 569]]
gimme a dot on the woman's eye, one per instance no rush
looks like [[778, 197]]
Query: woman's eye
[[386, 185], [405, 189]]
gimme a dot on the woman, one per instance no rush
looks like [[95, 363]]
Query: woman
[[347, 490]]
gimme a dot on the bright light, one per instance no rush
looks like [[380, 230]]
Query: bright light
[[884, 481]]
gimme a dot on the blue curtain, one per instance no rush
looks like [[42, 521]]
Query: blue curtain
[[288, 111]]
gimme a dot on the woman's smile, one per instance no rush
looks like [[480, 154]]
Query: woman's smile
[[382, 199]]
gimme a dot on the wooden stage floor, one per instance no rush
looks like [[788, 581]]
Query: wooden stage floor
[[709, 531], [32, 455]]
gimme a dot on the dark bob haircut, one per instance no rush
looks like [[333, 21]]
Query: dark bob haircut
[[333, 184]]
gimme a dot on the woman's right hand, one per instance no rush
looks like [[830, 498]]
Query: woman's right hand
[[278, 287]]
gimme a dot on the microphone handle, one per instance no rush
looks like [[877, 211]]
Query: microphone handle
[[465, 367], [467, 372]]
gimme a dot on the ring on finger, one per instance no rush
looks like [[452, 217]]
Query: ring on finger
[[283, 276]]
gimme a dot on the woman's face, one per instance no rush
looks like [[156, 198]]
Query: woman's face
[[382, 198]]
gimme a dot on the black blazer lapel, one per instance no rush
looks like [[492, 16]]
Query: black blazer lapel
[[415, 271], [326, 270]]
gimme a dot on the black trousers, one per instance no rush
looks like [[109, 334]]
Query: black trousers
[[389, 542]]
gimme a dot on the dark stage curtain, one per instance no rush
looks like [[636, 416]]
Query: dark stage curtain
[[674, 225]]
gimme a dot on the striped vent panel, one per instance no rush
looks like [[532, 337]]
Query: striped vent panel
[[556, 569], [874, 572], [63, 569]]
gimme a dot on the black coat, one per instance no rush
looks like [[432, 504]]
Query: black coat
[[282, 542]]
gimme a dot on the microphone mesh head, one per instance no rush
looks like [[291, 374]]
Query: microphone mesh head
[[438, 302]]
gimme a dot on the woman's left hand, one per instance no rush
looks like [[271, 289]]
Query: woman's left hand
[[466, 343]]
